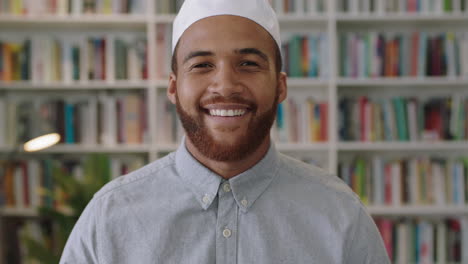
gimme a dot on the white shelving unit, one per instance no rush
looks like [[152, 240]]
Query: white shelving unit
[[330, 22]]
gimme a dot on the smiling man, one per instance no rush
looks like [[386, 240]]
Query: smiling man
[[226, 195]]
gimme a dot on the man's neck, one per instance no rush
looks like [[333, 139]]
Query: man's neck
[[229, 169]]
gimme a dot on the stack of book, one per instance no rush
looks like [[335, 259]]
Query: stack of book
[[402, 6], [108, 119], [298, 7], [301, 119], [26, 183], [422, 240], [306, 55], [403, 119], [75, 7], [15, 60], [168, 6], [396, 54], [168, 126], [67, 58], [413, 181], [163, 50]]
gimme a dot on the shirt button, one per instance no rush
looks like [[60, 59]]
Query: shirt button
[[206, 199], [227, 187], [244, 202], [227, 233]]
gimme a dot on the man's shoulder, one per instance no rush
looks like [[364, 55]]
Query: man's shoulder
[[140, 177], [312, 177]]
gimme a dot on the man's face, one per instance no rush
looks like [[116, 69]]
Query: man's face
[[226, 88]]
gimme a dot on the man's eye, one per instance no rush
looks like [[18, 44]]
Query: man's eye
[[201, 65], [249, 63]]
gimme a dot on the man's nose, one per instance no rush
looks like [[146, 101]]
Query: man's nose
[[226, 81]]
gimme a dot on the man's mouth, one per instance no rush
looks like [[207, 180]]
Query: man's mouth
[[227, 112]]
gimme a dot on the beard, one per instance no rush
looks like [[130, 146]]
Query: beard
[[258, 130]]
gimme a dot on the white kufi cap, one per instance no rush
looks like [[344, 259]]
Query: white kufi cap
[[259, 11]]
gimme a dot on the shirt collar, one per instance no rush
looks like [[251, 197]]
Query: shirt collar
[[246, 187]]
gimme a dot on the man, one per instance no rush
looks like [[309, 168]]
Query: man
[[226, 195]]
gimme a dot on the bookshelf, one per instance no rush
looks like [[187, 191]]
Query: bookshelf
[[329, 18]]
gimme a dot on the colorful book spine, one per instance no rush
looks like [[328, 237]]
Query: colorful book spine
[[407, 181], [402, 119], [422, 240], [418, 54], [306, 56], [357, 7], [301, 120]]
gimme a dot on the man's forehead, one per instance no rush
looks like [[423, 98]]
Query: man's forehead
[[238, 51]]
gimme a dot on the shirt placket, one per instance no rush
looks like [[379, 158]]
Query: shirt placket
[[226, 229]]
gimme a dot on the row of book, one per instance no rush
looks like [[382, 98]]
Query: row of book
[[75, 7], [25, 184], [163, 50], [402, 6], [70, 59], [403, 119], [416, 54], [407, 181], [421, 241], [300, 120], [299, 7], [107, 119], [306, 55], [168, 126], [168, 6]]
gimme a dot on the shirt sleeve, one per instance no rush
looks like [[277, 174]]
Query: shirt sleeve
[[365, 245], [81, 246]]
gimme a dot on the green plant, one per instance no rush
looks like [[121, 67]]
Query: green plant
[[77, 193]]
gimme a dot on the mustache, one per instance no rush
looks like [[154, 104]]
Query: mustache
[[235, 99]]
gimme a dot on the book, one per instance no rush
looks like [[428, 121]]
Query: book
[[3, 122], [407, 181]]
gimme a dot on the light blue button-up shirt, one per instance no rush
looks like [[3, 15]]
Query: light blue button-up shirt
[[175, 211]]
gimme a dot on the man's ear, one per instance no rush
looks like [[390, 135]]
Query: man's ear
[[282, 87], [172, 88]]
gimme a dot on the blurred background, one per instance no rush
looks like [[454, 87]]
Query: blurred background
[[378, 95]]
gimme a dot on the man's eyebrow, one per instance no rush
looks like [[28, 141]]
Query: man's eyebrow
[[198, 53], [254, 51]]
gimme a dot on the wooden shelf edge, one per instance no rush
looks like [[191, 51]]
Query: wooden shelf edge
[[439, 210]]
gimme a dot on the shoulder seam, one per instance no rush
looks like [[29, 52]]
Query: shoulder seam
[[99, 195], [326, 174]]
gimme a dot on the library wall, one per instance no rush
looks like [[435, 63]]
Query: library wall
[[378, 95]]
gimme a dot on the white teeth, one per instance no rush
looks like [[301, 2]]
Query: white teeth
[[223, 112]]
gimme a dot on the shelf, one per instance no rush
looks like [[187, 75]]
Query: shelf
[[60, 86], [302, 147], [403, 146], [427, 210], [18, 212], [302, 18], [75, 21], [162, 83], [74, 148], [167, 147], [384, 82], [306, 82], [164, 18], [401, 17]]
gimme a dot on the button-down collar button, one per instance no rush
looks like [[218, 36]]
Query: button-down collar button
[[206, 199], [244, 202], [227, 187], [227, 232]]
